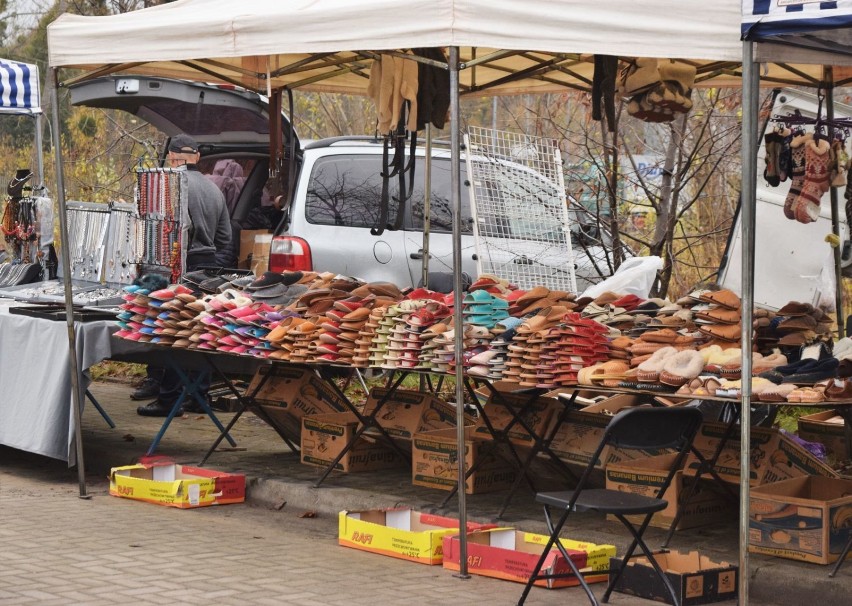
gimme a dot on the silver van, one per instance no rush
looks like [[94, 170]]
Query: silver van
[[335, 204]]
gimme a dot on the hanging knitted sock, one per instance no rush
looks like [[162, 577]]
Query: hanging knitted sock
[[839, 163], [785, 159], [774, 142], [797, 172], [848, 195], [816, 181]]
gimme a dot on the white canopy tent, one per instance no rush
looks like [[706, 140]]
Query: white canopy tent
[[20, 95], [498, 47]]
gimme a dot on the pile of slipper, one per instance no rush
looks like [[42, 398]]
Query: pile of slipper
[[657, 89]]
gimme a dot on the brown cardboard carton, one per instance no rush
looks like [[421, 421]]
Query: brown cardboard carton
[[247, 237], [774, 457], [260, 254], [537, 415], [707, 505], [806, 518], [325, 436], [826, 427], [579, 435], [696, 578], [434, 461], [290, 393], [408, 412]]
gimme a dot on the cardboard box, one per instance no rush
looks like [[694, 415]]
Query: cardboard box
[[434, 461], [179, 486], [408, 412], [399, 533], [826, 427], [579, 435], [536, 414], [805, 518], [696, 579], [509, 554], [707, 505], [260, 254], [290, 393], [325, 436], [247, 237], [774, 457]]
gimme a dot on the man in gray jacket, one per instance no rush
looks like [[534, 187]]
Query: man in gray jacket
[[209, 231]]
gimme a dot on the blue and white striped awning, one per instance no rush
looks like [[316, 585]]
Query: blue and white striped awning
[[19, 88], [774, 19]]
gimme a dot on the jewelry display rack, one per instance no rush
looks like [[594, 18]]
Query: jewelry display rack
[[120, 266], [161, 199], [87, 231]]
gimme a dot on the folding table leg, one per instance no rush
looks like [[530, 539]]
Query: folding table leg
[[245, 402], [100, 409], [366, 421], [172, 413], [843, 555], [704, 466], [499, 437]]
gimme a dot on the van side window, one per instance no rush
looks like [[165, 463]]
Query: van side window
[[345, 190], [441, 216]]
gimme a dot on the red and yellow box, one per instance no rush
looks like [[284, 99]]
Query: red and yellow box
[[511, 555], [175, 485], [399, 533]]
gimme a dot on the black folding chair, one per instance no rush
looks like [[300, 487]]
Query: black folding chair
[[635, 428]]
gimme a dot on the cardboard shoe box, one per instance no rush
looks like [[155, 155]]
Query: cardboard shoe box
[[537, 415], [707, 505], [807, 518], [325, 436], [696, 579], [408, 412], [579, 435], [826, 427], [434, 461], [290, 393], [179, 486], [399, 533], [511, 555], [774, 457]]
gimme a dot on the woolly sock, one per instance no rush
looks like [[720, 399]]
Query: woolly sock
[[773, 152], [785, 158], [816, 184], [839, 163], [797, 173]]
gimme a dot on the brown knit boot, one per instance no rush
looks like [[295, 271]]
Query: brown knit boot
[[797, 173], [816, 181]]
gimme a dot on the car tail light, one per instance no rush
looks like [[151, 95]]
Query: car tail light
[[289, 253]]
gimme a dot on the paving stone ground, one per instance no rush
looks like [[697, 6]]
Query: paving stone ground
[[56, 548]]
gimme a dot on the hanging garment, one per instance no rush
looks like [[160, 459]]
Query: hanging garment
[[433, 89], [603, 89], [816, 180], [797, 172], [393, 81]]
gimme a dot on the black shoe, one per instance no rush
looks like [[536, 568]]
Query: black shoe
[[150, 388], [156, 409], [192, 406]]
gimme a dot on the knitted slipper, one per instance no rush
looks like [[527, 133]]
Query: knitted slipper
[[774, 141], [797, 173], [806, 207]]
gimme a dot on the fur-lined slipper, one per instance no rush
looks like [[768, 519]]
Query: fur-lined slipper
[[650, 369], [776, 393], [682, 367], [806, 395], [720, 358], [769, 362]]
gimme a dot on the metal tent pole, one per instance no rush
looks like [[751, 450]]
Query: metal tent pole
[[427, 205], [751, 83], [458, 321], [828, 77], [39, 149], [76, 395]]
